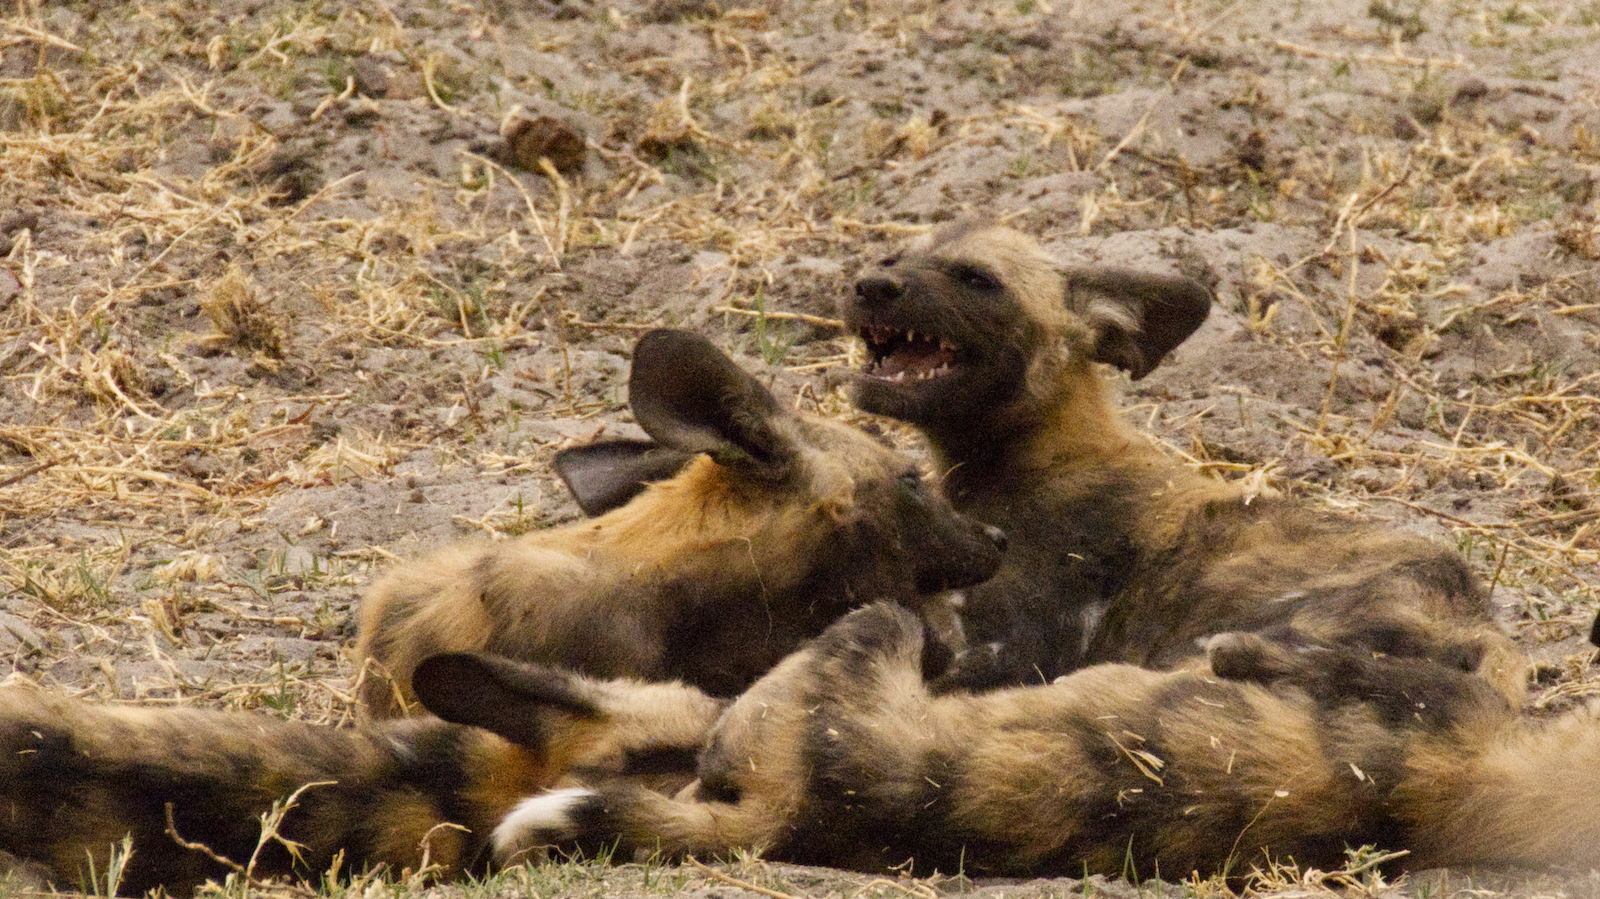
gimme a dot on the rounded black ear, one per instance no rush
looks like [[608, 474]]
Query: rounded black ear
[[1138, 318], [688, 396], [512, 699], [605, 475]]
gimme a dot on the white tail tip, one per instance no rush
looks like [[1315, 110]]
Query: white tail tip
[[537, 821]]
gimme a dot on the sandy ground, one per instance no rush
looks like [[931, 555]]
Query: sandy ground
[[286, 290]]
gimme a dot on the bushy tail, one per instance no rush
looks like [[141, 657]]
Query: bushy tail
[[1526, 794]]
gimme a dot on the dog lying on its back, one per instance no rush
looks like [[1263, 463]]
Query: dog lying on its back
[[710, 576], [841, 756], [1116, 552]]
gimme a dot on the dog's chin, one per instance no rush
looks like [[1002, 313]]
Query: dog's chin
[[933, 405], [910, 402], [953, 407]]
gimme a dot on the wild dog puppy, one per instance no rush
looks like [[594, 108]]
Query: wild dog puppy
[[1116, 552], [841, 756], [712, 576], [76, 778]]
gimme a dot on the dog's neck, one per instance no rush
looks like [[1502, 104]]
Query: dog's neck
[[1076, 422]]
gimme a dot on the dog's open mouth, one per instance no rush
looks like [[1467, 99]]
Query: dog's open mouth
[[899, 356]]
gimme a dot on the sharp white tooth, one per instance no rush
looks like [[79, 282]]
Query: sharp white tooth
[[911, 337], [897, 377]]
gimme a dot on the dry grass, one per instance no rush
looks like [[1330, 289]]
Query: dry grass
[[266, 264]]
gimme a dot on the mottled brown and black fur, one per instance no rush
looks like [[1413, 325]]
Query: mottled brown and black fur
[[711, 576], [1117, 553], [842, 756], [76, 778]]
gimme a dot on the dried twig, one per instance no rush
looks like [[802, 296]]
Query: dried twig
[[729, 879]]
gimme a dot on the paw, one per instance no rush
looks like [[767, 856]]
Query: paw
[[859, 647], [881, 628], [1249, 656], [542, 820], [977, 669], [1241, 656]]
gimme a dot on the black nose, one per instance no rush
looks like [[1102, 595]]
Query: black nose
[[879, 290], [996, 536]]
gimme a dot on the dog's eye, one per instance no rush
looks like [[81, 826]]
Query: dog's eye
[[977, 278], [888, 261]]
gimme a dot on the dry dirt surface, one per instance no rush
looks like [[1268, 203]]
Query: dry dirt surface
[[291, 288]]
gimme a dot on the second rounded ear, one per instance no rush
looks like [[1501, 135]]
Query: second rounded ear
[[1138, 318], [605, 475]]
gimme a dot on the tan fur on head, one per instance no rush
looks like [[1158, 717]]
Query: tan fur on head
[[1032, 275], [1037, 282]]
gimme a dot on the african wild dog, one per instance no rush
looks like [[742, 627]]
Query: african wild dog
[[76, 777], [842, 756], [1117, 553], [711, 576]]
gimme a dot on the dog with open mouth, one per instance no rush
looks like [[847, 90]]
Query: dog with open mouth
[[1117, 553]]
